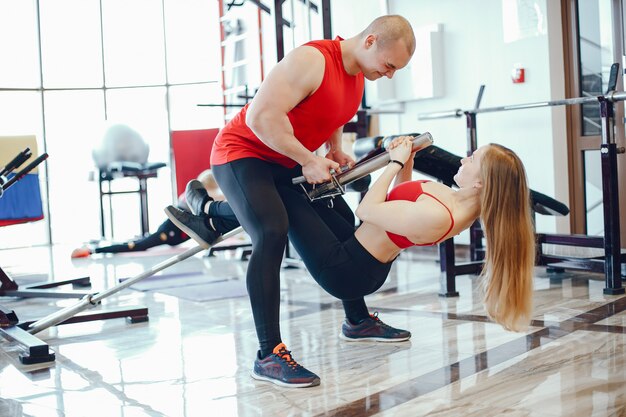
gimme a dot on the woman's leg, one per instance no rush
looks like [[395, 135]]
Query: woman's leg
[[340, 219], [222, 217], [313, 230], [342, 267], [167, 233]]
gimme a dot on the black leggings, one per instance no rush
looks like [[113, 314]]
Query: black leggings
[[329, 249], [167, 233], [222, 217], [250, 186]]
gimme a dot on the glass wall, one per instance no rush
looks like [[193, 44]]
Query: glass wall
[[71, 68], [596, 46]]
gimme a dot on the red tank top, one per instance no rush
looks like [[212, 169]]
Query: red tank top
[[411, 191], [314, 119]]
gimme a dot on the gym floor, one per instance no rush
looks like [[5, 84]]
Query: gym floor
[[193, 358]]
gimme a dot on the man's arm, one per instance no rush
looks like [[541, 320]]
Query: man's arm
[[293, 79]]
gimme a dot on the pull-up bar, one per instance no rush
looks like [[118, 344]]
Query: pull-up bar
[[611, 96]]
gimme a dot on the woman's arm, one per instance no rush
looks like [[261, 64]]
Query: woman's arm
[[400, 151], [421, 221], [406, 173]]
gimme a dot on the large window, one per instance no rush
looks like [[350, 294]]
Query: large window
[[72, 67]]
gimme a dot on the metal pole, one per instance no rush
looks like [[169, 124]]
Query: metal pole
[[476, 232], [364, 168], [326, 20], [612, 96], [91, 300], [336, 186], [612, 245], [278, 25]]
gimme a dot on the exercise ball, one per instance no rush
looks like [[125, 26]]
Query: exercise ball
[[120, 143]]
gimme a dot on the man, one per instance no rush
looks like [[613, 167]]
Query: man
[[303, 103]]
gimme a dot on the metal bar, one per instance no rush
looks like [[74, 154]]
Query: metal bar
[[360, 170], [143, 210], [19, 175], [571, 240], [612, 246], [326, 20], [612, 96], [278, 27], [441, 114], [16, 162], [135, 314], [36, 351], [93, 299], [447, 278], [610, 196], [477, 252]]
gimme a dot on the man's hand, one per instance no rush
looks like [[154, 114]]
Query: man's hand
[[317, 170], [342, 158]]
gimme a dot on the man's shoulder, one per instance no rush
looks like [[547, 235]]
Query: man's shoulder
[[308, 54]]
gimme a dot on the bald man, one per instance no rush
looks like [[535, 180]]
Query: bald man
[[302, 104]]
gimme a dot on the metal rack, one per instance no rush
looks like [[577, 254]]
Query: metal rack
[[611, 263]]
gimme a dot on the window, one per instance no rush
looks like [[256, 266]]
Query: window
[[144, 63]]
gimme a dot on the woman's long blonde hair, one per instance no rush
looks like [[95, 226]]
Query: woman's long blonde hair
[[509, 231]]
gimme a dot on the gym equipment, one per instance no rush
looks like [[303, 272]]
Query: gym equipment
[[613, 263], [120, 143], [338, 182], [123, 153], [36, 351], [21, 205]]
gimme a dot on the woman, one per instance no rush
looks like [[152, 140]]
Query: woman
[[349, 264], [168, 233]]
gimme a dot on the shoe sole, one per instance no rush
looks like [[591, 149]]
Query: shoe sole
[[284, 384], [373, 339], [203, 244], [190, 207]]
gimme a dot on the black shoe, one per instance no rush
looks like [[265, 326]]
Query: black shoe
[[372, 329], [196, 196], [194, 226]]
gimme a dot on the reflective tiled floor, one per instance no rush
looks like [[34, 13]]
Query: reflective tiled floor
[[193, 358]]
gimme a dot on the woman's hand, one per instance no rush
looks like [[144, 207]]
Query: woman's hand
[[400, 149]]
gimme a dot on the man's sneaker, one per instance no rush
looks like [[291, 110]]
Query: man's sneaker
[[196, 196], [281, 369], [194, 226], [372, 329]]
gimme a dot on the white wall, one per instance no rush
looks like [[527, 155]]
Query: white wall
[[475, 53]]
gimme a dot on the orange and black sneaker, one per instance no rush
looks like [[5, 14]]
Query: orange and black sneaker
[[281, 369], [372, 329]]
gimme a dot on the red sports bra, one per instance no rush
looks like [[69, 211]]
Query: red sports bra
[[411, 191]]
